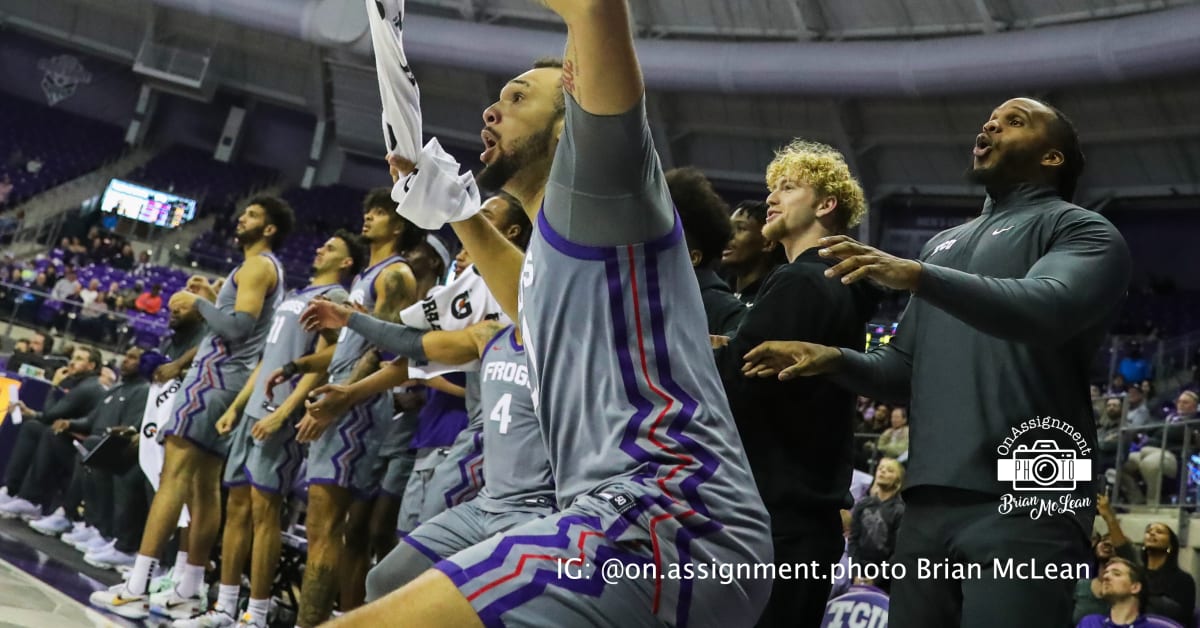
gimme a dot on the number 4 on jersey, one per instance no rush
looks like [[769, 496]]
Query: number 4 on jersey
[[500, 412]]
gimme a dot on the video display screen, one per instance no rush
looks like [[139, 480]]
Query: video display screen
[[136, 202]]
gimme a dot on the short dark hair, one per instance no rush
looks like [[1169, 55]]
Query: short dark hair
[[755, 210], [93, 355], [382, 198], [1065, 137], [517, 216], [560, 108], [47, 342], [1137, 575], [705, 216], [279, 214], [359, 254]]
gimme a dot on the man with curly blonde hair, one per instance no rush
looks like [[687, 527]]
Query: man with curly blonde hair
[[804, 480]]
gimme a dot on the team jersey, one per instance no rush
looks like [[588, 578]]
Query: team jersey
[[515, 470], [351, 345], [287, 341], [224, 365]]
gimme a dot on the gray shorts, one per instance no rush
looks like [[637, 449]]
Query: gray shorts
[[618, 557], [268, 465], [347, 453], [198, 407], [458, 478], [415, 489], [468, 524]]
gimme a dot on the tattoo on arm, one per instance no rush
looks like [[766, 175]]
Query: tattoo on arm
[[482, 334], [367, 364], [397, 295]]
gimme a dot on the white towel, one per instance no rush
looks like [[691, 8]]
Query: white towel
[[435, 193], [397, 85]]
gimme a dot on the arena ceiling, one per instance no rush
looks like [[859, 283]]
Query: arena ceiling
[[752, 74]]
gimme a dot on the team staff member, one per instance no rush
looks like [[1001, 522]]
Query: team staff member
[[803, 480], [1007, 313]]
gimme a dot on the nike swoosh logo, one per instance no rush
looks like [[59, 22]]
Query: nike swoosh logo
[[173, 604], [122, 601], [999, 231]]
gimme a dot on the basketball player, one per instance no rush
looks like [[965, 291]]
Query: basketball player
[[342, 457], [264, 455], [1007, 312], [647, 460], [803, 480], [239, 319], [517, 486]]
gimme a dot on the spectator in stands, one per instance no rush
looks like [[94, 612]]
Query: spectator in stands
[[1138, 413], [143, 264], [1172, 592], [113, 297], [90, 294], [129, 296], [39, 347], [123, 259], [1134, 367], [150, 302], [893, 443], [67, 288], [881, 419], [1089, 593], [1118, 385], [705, 219], [92, 321], [1123, 586], [750, 257], [6, 188], [1108, 431], [875, 519], [1151, 462], [21, 496]]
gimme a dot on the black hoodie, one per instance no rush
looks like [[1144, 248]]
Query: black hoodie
[[798, 435]]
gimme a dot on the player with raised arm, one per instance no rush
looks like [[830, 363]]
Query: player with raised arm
[[264, 455], [239, 318], [648, 464], [342, 464]]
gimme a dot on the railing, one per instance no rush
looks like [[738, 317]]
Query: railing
[[113, 331]]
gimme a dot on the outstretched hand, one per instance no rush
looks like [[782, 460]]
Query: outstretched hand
[[860, 261], [790, 359], [325, 314]]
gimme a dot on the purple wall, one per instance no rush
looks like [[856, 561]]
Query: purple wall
[[109, 97], [277, 137], [1163, 243]]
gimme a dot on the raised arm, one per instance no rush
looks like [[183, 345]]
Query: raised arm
[[600, 67], [499, 261]]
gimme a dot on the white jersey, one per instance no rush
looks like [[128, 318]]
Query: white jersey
[[159, 402], [457, 305]]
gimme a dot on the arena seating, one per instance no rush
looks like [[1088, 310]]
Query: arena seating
[[30, 130]]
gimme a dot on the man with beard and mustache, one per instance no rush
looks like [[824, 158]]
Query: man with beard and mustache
[[1007, 313], [239, 319], [614, 333]]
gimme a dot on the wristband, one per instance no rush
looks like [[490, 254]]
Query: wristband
[[290, 370]]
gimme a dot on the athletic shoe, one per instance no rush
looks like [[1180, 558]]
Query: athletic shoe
[[247, 621], [108, 557], [96, 543], [116, 599], [4, 496], [53, 524], [170, 604], [23, 508], [215, 618], [81, 533]]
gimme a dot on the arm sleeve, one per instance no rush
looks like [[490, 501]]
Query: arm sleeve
[[390, 337], [606, 186], [1074, 285], [232, 327]]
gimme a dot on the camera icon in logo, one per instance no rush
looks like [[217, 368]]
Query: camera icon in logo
[[1043, 467]]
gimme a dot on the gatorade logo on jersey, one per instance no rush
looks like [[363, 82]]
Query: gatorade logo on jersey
[[149, 430], [460, 307]]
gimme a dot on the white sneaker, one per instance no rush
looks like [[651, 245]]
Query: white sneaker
[[170, 604], [53, 524], [4, 496], [108, 557], [215, 618], [96, 543], [247, 621], [81, 533], [116, 599], [23, 508]]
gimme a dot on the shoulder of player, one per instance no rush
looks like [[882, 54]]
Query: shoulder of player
[[486, 333], [802, 274], [257, 267]]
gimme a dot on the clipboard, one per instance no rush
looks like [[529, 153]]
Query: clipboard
[[110, 454]]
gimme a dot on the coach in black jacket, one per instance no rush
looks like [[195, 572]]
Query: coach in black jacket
[[1008, 311], [798, 435]]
